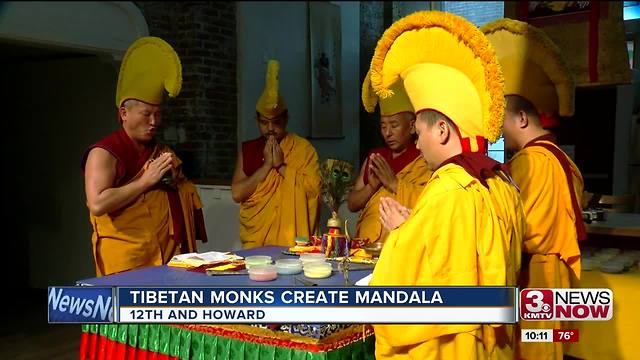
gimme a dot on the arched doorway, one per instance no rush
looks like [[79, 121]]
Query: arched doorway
[[93, 27]]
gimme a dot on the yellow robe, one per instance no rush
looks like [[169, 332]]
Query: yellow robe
[[459, 233], [142, 234], [551, 237], [282, 208], [411, 180]]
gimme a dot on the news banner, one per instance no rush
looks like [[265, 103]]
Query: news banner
[[319, 305]]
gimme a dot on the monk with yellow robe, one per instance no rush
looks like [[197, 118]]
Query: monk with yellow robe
[[277, 178], [142, 208], [396, 170], [467, 225], [539, 88]]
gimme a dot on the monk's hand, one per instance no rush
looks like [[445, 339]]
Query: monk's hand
[[267, 153], [156, 168], [392, 213], [278, 154], [383, 171], [372, 179], [404, 211]]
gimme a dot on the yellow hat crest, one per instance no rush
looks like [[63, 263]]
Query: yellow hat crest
[[397, 103], [533, 66], [447, 65], [149, 67], [271, 104]]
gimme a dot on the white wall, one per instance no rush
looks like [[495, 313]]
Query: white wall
[[279, 30], [221, 219]]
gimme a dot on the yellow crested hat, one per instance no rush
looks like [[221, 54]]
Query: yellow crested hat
[[271, 104], [533, 68], [447, 65], [149, 67], [397, 103]]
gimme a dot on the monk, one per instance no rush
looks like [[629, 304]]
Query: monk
[[539, 88], [396, 170], [551, 204], [276, 178], [143, 210], [467, 225]]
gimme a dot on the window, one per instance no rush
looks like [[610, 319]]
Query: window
[[496, 151], [631, 10], [480, 13]]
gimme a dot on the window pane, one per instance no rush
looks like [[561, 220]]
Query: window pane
[[497, 155], [496, 151], [631, 10], [499, 145]]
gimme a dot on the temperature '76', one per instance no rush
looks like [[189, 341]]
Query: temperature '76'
[[566, 335]]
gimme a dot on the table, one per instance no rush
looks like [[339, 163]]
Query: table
[[170, 276], [616, 224], [288, 341], [616, 338]]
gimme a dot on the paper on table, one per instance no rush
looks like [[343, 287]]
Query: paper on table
[[364, 281], [196, 259]]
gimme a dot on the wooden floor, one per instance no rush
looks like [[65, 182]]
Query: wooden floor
[[26, 335]]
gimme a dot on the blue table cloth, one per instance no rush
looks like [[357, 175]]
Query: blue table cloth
[[339, 337]]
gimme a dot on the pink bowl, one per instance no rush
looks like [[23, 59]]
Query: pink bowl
[[263, 273]]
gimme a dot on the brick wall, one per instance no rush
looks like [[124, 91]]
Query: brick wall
[[204, 36]]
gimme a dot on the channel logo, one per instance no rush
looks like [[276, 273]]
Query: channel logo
[[566, 304], [80, 304]]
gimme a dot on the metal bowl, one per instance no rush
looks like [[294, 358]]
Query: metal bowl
[[374, 249], [591, 215]]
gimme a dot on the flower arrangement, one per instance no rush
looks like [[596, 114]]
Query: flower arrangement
[[337, 181]]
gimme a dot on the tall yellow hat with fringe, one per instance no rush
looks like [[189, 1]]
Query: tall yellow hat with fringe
[[447, 65], [271, 104], [149, 67], [533, 68], [397, 103]]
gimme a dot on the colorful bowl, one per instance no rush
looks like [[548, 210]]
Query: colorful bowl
[[302, 241], [289, 266], [263, 273], [308, 258], [256, 260], [318, 270]]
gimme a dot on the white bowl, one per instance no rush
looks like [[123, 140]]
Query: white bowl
[[612, 267]]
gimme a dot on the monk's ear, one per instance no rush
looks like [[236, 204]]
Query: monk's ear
[[122, 114], [412, 126], [443, 131], [522, 119]]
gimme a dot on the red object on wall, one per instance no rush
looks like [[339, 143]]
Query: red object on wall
[[597, 10]]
